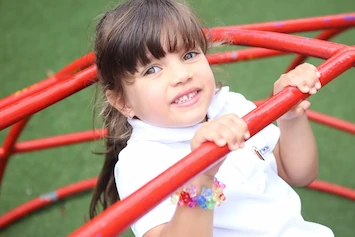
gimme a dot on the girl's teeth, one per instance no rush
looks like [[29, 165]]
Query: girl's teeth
[[185, 98]]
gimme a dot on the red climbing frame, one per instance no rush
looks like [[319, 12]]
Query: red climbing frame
[[16, 110]]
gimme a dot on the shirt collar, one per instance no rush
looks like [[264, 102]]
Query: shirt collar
[[147, 132]]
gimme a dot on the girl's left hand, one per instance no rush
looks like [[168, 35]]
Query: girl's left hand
[[306, 78]]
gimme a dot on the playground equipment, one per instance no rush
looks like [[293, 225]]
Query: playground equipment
[[272, 39]]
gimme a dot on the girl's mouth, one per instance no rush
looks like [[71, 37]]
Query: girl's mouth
[[185, 98]]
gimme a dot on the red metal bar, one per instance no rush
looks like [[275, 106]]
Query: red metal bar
[[27, 91], [325, 120], [331, 121], [324, 35], [277, 41], [48, 97], [66, 72], [241, 55], [114, 220], [301, 25], [56, 141], [9, 143], [76, 66], [335, 189], [257, 53], [45, 200]]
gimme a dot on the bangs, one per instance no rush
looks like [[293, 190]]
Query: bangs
[[154, 29], [168, 33]]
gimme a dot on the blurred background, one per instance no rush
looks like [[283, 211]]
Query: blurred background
[[40, 37]]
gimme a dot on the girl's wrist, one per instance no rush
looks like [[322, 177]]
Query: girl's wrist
[[296, 119], [202, 181], [206, 195]]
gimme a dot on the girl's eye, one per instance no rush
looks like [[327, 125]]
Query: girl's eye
[[152, 70], [190, 55]]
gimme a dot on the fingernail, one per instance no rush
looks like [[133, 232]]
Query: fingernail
[[246, 135], [318, 74], [306, 88], [222, 142], [318, 85], [241, 145], [313, 91]]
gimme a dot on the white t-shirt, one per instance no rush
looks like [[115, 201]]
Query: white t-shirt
[[259, 203]]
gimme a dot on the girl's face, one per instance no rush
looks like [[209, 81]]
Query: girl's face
[[173, 91]]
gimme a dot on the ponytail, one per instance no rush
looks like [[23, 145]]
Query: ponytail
[[118, 132]]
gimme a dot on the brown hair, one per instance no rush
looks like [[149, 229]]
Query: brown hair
[[124, 37]]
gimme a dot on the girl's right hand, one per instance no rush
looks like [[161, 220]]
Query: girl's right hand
[[227, 130]]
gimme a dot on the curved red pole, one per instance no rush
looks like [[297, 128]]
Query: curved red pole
[[324, 35], [40, 101], [325, 120], [335, 189], [276, 41], [331, 121], [71, 69], [300, 25], [45, 200], [115, 220], [76, 66], [241, 55], [9, 144], [256, 53], [61, 140]]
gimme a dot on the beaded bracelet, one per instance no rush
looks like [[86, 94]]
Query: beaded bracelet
[[208, 199]]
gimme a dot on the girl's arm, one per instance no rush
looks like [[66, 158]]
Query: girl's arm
[[296, 152], [191, 222]]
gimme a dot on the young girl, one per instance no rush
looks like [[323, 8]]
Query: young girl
[[162, 102]]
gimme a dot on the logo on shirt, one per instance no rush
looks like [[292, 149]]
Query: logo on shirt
[[264, 150], [261, 152]]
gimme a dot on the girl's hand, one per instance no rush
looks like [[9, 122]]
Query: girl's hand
[[227, 130], [306, 78]]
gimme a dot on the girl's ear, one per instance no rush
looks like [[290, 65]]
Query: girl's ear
[[118, 103]]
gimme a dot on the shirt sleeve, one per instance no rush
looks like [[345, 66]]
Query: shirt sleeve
[[139, 163]]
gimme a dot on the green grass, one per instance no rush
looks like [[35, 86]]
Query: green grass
[[44, 35]]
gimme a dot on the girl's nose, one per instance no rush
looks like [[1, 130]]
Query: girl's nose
[[180, 76]]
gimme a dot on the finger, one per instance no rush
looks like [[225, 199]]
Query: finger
[[238, 127], [295, 78], [313, 91], [205, 134], [310, 72], [237, 124], [308, 84], [318, 84], [228, 134], [314, 74]]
